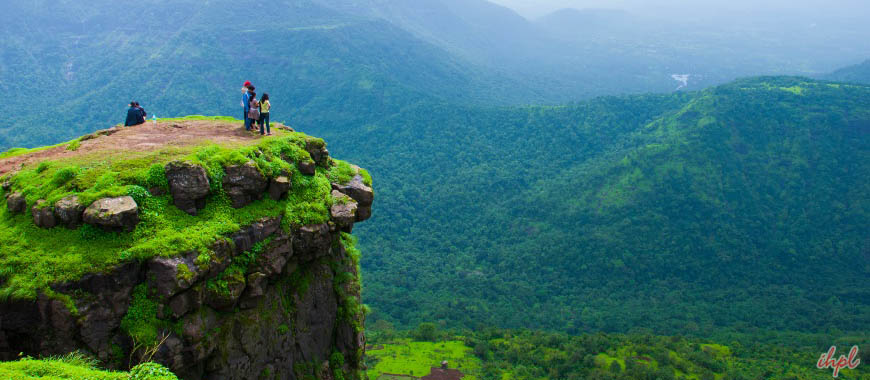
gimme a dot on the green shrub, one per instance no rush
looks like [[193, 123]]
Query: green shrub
[[151, 371]]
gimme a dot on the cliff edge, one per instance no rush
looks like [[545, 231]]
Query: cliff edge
[[190, 243]]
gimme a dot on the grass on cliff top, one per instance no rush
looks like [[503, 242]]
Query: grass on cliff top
[[406, 357], [32, 258], [77, 367]]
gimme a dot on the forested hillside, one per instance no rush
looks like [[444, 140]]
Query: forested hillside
[[741, 207], [315, 63], [859, 73]]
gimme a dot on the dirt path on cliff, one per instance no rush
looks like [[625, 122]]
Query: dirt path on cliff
[[139, 138]]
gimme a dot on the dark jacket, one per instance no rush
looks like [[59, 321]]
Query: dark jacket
[[135, 116]]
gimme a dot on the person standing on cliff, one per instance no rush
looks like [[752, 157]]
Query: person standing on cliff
[[265, 107], [247, 88]]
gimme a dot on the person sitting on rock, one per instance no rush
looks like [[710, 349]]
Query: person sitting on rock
[[135, 115]]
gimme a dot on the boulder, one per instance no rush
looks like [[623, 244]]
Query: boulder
[[7, 184], [357, 190], [43, 215], [317, 151], [119, 213], [361, 193], [306, 167], [169, 276], [188, 184], [343, 210], [68, 211], [244, 184], [279, 187], [16, 203]]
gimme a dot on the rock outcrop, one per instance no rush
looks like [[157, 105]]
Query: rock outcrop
[[361, 193], [343, 210], [258, 293], [119, 213], [307, 167], [279, 314], [188, 184], [317, 151], [244, 184], [279, 187], [43, 215], [68, 211], [16, 203]]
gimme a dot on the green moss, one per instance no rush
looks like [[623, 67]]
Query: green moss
[[141, 322], [305, 203], [151, 371], [341, 172], [184, 272], [76, 366], [367, 178], [283, 329], [32, 258]]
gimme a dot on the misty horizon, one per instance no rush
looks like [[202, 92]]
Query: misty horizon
[[533, 9]]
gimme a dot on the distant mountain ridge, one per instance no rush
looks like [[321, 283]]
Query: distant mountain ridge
[[859, 73]]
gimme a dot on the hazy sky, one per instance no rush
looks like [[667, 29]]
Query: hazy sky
[[537, 8]]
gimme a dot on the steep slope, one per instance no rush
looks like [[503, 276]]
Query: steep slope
[[189, 242], [739, 207]]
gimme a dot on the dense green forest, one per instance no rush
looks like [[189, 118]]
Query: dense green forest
[[743, 207]]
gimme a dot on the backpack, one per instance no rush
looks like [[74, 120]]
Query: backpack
[[254, 113]]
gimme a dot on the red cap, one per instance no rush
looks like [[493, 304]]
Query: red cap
[[247, 83]]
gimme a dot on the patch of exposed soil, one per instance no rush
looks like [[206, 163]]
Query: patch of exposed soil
[[142, 137]]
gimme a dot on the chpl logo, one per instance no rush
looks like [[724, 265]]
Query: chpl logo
[[827, 360]]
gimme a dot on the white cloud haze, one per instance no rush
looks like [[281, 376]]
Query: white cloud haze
[[848, 8]]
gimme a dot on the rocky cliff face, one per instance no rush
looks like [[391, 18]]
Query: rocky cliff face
[[272, 300], [293, 312]]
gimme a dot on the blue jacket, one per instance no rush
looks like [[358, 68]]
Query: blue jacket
[[135, 116], [246, 101]]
